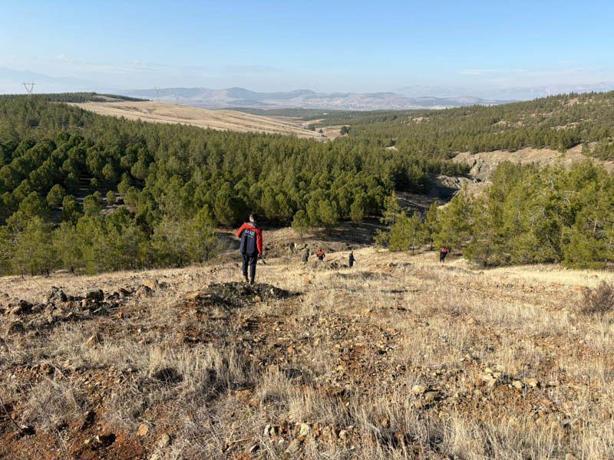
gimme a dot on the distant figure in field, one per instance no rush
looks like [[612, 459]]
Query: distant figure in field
[[251, 247], [305, 257], [320, 254], [443, 253], [351, 259]]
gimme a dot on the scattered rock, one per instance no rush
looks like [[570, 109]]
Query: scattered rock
[[95, 295], [88, 420], [418, 389], [164, 441], [272, 430], [237, 295], [151, 284], [101, 441], [26, 430], [168, 376], [531, 382], [142, 430], [517, 384], [23, 308], [16, 327], [92, 340], [431, 397], [57, 295], [144, 291], [303, 430], [489, 379]]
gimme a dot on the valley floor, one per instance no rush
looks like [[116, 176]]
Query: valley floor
[[398, 357]]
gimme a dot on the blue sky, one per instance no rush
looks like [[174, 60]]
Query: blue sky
[[446, 46]]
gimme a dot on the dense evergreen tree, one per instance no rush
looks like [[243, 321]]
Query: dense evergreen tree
[[407, 233], [532, 215], [300, 223], [57, 162], [557, 122], [177, 243], [33, 252], [56, 196]]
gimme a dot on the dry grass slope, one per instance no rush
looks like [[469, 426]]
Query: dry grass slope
[[399, 357], [224, 120]]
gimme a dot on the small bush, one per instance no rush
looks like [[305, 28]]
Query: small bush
[[599, 300]]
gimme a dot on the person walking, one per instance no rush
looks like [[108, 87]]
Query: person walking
[[351, 259], [305, 257], [250, 247], [443, 253]]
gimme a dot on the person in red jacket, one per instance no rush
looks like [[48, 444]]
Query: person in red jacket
[[443, 253], [251, 247]]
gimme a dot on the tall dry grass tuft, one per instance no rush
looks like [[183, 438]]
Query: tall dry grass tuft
[[599, 300], [53, 404]]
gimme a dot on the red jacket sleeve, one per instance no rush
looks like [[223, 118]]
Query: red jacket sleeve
[[259, 240], [238, 232]]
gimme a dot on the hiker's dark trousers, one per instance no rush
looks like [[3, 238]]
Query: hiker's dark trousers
[[249, 260]]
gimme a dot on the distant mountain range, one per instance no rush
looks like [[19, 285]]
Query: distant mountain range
[[301, 98], [407, 97]]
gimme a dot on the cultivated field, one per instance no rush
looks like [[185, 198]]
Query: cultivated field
[[399, 357], [225, 120]]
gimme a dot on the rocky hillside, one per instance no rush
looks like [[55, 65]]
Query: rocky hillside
[[399, 357], [484, 164]]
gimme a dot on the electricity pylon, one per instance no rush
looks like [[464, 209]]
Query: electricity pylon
[[29, 86]]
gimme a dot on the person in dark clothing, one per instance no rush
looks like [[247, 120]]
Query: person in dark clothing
[[351, 259], [305, 257], [443, 253], [250, 247]]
